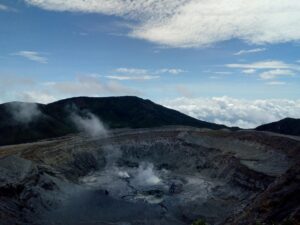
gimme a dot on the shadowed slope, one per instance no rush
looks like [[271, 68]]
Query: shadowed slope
[[288, 126]]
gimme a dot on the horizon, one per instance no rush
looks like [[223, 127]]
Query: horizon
[[234, 63]]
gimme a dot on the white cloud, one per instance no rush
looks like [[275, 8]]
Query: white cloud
[[272, 74], [202, 23], [33, 56], [194, 23], [171, 71], [271, 64], [131, 70], [132, 74], [268, 70], [145, 71], [141, 74], [255, 50], [143, 77], [236, 112]]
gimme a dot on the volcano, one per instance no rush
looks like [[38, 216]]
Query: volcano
[[142, 164]]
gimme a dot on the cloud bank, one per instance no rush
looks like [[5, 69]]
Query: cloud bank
[[236, 112], [194, 23]]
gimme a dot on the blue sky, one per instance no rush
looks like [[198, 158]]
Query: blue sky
[[161, 49]]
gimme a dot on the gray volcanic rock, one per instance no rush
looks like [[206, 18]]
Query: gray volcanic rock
[[169, 175], [14, 170]]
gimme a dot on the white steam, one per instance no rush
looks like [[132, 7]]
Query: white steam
[[123, 174], [23, 112], [89, 124], [146, 175]]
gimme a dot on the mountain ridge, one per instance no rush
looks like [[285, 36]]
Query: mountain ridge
[[22, 122], [287, 126], [25, 122]]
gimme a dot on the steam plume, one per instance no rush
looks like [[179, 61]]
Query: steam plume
[[23, 112], [89, 124]]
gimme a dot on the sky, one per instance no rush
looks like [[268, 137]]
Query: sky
[[235, 62]]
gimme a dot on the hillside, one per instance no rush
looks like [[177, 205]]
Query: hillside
[[288, 126], [23, 122]]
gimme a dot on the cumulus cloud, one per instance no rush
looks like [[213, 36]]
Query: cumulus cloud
[[194, 23], [236, 112], [33, 56], [23, 112], [255, 50]]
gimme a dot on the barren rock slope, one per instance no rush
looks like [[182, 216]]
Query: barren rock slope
[[171, 175]]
